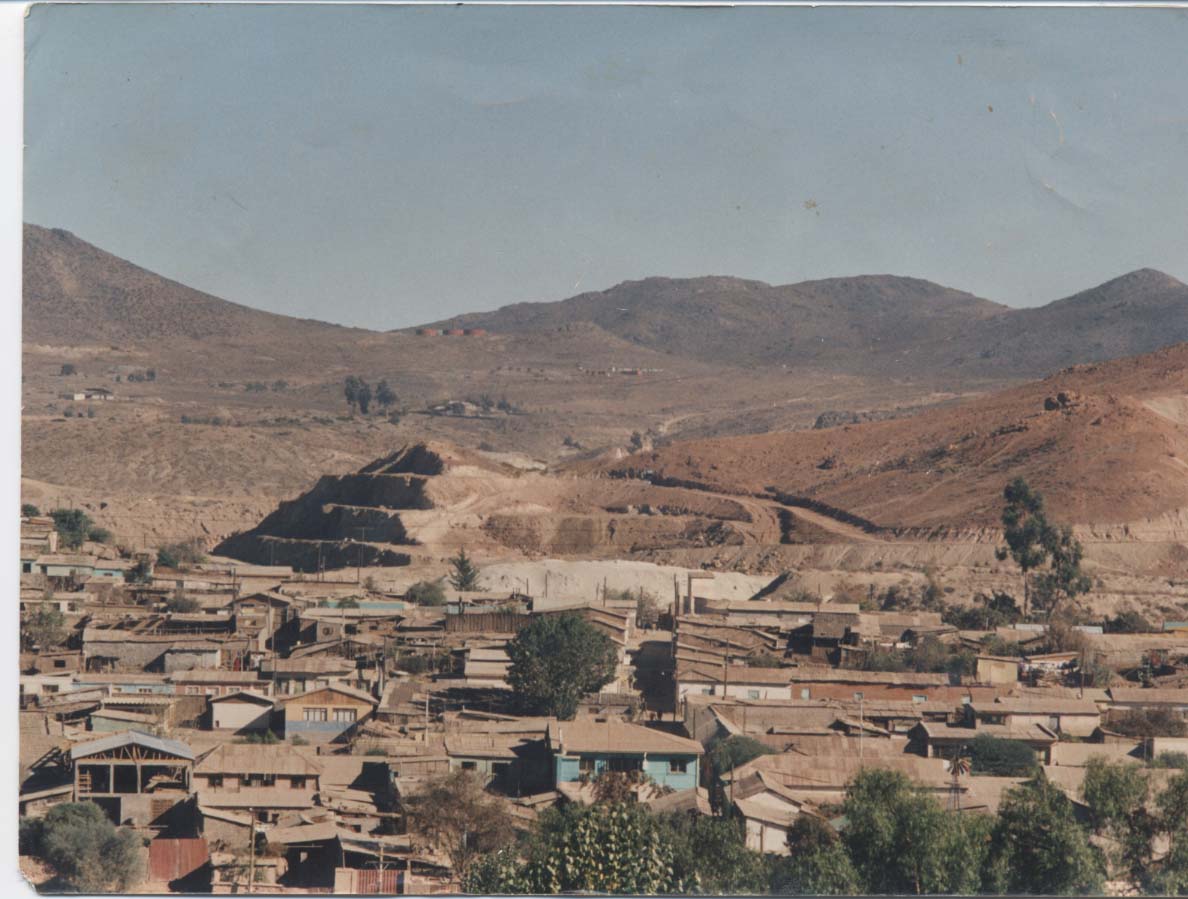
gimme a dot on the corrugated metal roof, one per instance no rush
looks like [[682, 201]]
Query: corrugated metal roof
[[115, 741]]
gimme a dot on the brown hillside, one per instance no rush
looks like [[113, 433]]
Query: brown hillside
[[1105, 443]]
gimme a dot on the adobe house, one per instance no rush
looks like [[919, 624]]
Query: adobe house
[[585, 748], [135, 777], [325, 713]]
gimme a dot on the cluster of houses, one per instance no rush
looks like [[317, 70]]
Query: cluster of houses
[[276, 725]]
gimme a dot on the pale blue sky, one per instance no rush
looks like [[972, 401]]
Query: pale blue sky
[[384, 166]]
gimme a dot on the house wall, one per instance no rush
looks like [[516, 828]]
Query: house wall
[[765, 837], [188, 660], [1073, 725], [567, 769], [739, 691], [295, 718], [993, 672], [240, 716]]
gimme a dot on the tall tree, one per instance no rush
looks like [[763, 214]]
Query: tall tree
[[1026, 530], [710, 855], [1064, 580], [384, 395], [1038, 846], [556, 660], [455, 815], [350, 389], [363, 397], [817, 862], [43, 628], [465, 576]]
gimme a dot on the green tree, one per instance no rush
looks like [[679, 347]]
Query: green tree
[[68, 369], [1064, 580], [725, 756], [1113, 792], [384, 395], [1000, 757], [465, 576], [350, 389], [28, 510], [710, 855], [181, 555], [817, 863], [89, 853], [556, 660], [43, 628], [455, 815], [72, 526], [141, 573], [901, 840], [1039, 847], [363, 397], [426, 593], [615, 848], [1027, 532], [347, 602]]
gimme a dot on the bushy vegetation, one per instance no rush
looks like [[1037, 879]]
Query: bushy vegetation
[[426, 593], [998, 757], [464, 576], [74, 527], [28, 510], [43, 628], [1149, 723], [181, 555], [179, 603], [88, 852]]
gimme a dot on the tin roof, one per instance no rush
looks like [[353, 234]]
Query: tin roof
[[115, 741]]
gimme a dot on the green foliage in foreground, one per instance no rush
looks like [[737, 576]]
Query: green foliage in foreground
[[89, 853]]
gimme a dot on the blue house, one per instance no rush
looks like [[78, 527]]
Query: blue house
[[585, 748]]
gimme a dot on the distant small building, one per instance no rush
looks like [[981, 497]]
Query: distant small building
[[133, 776], [997, 670]]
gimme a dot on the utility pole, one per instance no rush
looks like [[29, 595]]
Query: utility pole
[[359, 557], [861, 728], [252, 851]]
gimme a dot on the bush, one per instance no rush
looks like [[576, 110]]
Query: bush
[[1149, 723], [1001, 758], [1130, 622], [181, 555], [99, 535], [89, 853], [28, 510], [1171, 760], [179, 603], [72, 525], [426, 593]]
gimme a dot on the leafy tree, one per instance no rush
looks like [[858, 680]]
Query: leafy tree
[[465, 576], [141, 573], [817, 864], [384, 395], [599, 848], [647, 610], [901, 840], [350, 389], [1039, 847], [1064, 579], [1027, 532], [1171, 760], [88, 851], [99, 535], [68, 369], [454, 814], [363, 397], [556, 660], [1113, 792], [1173, 805], [733, 752], [347, 602], [710, 855], [28, 510], [181, 555], [426, 593], [72, 526], [44, 628], [1000, 757]]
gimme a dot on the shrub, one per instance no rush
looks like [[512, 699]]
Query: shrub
[[28, 510], [1001, 758], [89, 853], [426, 593]]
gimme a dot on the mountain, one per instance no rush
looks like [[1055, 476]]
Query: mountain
[[75, 292], [879, 325], [839, 323], [1105, 443]]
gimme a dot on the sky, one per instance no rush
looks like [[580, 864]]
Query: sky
[[387, 166]]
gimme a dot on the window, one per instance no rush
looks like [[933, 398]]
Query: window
[[678, 766], [707, 691], [214, 780], [297, 783], [257, 780], [622, 764], [469, 766], [344, 716], [59, 663], [752, 694], [587, 763], [315, 714], [919, 698], [804, 692]]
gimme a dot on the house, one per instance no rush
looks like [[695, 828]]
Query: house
[[937, 740], [135, 777], [242, 712], [1074, 717], [218, 682], [1150, 698], [298, 675], [584, 748], [233, 768], [325, 713], [997, 670]]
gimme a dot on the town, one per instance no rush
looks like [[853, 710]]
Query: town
[[253, 727]]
